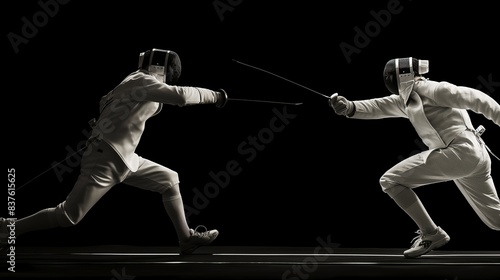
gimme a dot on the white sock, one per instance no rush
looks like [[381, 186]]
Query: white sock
[[172, 201], [420, 216], [408, 200]]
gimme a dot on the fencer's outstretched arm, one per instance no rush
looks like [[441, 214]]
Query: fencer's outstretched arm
[[442, 94], [377, 108], [149, 89], [460, 97]]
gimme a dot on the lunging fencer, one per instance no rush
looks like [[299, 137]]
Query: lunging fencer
[[110, 157], [438, 112]]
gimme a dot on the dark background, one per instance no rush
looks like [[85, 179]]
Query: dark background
[[317, 177]]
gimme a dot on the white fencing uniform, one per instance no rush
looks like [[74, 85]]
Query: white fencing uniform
[[110, 157], [438, 112]]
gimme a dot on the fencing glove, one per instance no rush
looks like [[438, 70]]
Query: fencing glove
[[341, 105]]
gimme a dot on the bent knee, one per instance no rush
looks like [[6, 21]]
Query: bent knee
[[167, 183], [390, 187], [167, 180], [67, 218], [384, 183], [171, 193], [173, 178]]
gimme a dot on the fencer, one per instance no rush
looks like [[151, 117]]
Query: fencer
[[110, 157], [439, 113]]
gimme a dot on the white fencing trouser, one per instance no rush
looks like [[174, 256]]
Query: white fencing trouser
[[101, 169], [465, 161]]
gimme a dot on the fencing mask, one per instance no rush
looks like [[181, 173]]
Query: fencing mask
[[399, 74], [164, 65]]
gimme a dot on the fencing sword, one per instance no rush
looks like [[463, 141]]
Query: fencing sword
[[264, 101], [227, 99], [290, 81]]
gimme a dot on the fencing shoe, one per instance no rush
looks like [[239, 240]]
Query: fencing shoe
[[424, 243], [197, 239]]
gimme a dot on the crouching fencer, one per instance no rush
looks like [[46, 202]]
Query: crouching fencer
[[110, 157], [438, 112]]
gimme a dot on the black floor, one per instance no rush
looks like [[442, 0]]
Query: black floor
[[216, 262]]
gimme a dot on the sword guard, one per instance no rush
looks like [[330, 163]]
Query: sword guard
[[222, 98]]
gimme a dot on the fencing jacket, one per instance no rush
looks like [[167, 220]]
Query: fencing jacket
[[437, 110], [125, 109]]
